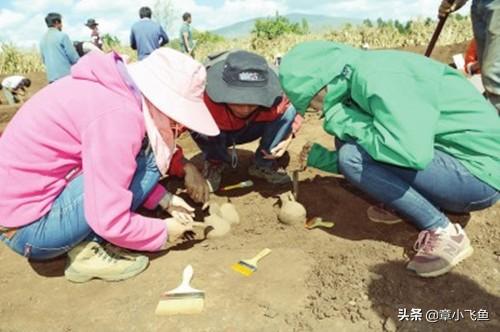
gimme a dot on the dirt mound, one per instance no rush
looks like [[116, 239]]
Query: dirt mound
[[444, 53], [6, 113]]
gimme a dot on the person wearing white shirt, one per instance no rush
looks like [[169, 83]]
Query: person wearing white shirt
[[14, 88]]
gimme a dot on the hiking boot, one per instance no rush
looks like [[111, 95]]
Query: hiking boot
[[270, 174], [90, 260], [439, 250], [379, 214], [212, 171]]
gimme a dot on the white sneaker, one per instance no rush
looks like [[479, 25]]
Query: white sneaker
[[90, 260]]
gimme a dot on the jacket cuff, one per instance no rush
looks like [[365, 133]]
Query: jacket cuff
[[154, 197], [321, 158]]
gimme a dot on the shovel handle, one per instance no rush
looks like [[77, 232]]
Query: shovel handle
[[437, 32], [244, 184]]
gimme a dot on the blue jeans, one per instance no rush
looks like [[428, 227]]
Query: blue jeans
[[418, 196], [65, 225], [270, 134], [486, 26]]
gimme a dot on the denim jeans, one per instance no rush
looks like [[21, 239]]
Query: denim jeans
[[270, 134], [65, 225], [486, 26], [419, 196]]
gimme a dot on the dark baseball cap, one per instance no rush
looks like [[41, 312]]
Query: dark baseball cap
[[243, 78]]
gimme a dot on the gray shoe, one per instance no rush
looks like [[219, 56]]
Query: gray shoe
[[270, 174], [213, 173], [440, 250]]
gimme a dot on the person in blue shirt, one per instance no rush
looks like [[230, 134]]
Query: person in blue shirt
[[146, 35], [58, 53]]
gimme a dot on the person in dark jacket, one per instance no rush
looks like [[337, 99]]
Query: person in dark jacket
[[244, 96]]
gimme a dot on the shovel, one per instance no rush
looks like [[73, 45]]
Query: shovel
[[436, 33], [318, 222]]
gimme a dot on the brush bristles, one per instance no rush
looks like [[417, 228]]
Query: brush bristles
[[249, 266], [199, 295], [179, 306], [243, 268]]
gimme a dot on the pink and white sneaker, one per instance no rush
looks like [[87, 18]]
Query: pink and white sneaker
[[439, 250]]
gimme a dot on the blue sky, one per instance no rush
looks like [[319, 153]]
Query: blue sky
[[22, 21]]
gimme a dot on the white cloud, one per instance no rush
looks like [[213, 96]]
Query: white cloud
[[32, 6], [232, 11], [110, 7], [27, 33], [99, 6], [116, 17], [10, 19]]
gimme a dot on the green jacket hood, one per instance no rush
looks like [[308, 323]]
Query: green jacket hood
[[310, 66]]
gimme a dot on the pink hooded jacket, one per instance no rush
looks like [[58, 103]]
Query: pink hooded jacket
[[89, 121]]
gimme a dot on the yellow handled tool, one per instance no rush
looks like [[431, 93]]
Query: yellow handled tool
[[244, 184]]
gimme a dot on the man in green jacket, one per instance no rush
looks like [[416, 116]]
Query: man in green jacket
[[411, 132]]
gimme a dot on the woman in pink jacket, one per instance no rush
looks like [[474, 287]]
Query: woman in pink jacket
[[85, 152]]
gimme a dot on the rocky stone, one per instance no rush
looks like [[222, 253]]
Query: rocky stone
[[389, 325]]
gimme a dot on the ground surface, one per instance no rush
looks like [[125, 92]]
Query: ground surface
[[349, 278]]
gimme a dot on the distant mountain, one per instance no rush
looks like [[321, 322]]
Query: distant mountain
[[316, 23]]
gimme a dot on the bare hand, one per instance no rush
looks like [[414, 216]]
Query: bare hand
[[304, 154], [279, 150], [473, 68], [179, 209], [177, 228], [446, 8], [298, 161], [196, 185]]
